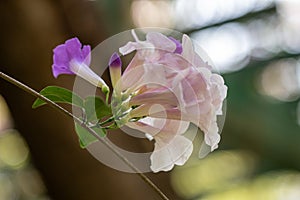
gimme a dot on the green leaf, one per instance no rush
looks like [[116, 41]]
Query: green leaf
[[58, 95], [85, 137], [96, 108]]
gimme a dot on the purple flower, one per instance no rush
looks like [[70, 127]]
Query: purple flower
[[73, 58], [115, 61]]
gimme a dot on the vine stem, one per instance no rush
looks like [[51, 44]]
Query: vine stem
[[103, 140]]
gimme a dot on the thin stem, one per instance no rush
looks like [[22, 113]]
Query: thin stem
[[103, 140], [107, 121]]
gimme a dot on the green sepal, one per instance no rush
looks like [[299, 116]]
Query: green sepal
[[58, 95], [85, 137]]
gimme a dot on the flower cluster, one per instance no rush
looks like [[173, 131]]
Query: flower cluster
[[165, 87]]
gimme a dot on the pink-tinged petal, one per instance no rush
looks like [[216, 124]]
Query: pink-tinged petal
[[155, 95], [144, 48], [145, 127], [161, 42], [135, 62], [129, 47], [212, 137], [154, 126], [171, 148], [174, 60], [146, 74], [165, 156], [171, 129], [190, 55], [153, 41], [188, 49], [164, 111], [131, 80], [218, 82], [164, 129], [218, 92]]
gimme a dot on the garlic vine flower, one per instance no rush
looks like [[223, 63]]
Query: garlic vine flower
[[166, 87], [72, 58]]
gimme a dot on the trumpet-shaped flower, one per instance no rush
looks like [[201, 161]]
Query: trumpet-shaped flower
[[172, 75], [72, 58], [165, 87]]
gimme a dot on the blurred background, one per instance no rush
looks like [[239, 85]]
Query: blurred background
[[255, 44]]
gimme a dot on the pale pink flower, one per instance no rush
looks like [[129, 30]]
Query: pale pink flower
[[165, 87], [183, 86]]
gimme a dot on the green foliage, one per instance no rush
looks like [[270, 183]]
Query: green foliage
[[58, 95], [95, 108], [85, 137]]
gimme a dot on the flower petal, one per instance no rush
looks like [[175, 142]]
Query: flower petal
[[158, 95], [60, 55], [115, 65], [161, 42], [212, 137], [73, 47], [129, 47], [82, 70], [86, 54], [60, 69], [190, 55], [178, 45], [177, 152], [171, 148]]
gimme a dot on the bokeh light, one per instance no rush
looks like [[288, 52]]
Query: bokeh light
[[228, 46], [290, 24], [231, 46], [200, 13], [30, 182], [146, 13], [19, 180], [5, 119], [222, 169], [13, 150], [280, 80], [282, 185], [298, 113], [7, 191]]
